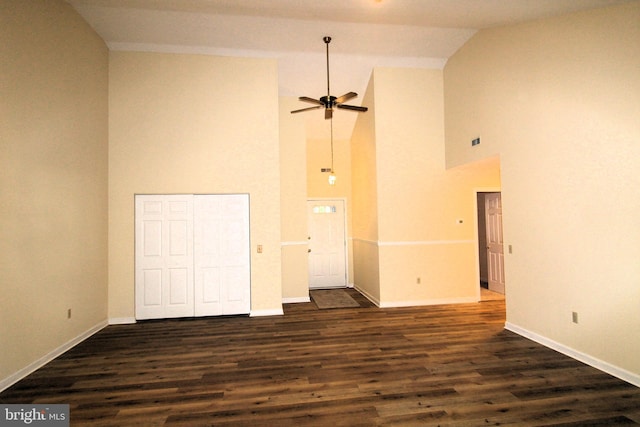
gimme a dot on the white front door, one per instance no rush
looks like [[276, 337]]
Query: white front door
[[164, 256], [327, 244], [222, 258], [495, 248]]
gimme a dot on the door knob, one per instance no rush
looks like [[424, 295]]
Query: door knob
[[308, 250]]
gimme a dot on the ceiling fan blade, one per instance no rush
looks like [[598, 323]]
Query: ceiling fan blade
[[346, 97], [328, 113], [311, 100], [352, 107], [306, 109]]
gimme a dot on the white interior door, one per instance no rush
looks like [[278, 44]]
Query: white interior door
[[222, 257], [495, 246], [164, 256], [192, 255], [327, 244]]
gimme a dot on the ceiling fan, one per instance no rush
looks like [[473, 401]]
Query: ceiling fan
[[330, 102]]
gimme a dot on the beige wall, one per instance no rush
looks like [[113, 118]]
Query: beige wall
[[397, 233], [364, 200], [194, 124], [559, 100], [53, 220], [293, 176], [319, 157], [418, 201]]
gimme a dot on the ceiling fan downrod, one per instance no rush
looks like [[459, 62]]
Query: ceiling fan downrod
[[327, 40]]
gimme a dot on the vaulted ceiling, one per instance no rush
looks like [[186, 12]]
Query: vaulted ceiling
[[365, 34]]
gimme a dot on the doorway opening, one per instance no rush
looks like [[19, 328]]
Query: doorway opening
[[490, 245], [327, 244]]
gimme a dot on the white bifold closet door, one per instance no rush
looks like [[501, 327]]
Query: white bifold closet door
[[164, 256], [221, 254], [192, 255]]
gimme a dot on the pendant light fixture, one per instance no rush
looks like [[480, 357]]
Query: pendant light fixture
[[332, 175]]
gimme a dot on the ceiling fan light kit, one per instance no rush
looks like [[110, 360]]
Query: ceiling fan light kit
[[332, 175], [330, 102]]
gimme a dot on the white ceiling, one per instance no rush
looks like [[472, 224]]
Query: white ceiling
[[365, 34]]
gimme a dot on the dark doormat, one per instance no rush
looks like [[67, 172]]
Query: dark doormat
[[332, 298]]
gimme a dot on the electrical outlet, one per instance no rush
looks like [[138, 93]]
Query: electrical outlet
[[69, 313], [418, 280], [510, 249], [259, 249], [574, 316]]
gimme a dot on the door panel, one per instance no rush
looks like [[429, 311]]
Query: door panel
[[192, 255], [236, 291], [207, 252], [152, 243], [178, 238], [210, 282], [222, 258], [164, 260], [495, 244], [327, 244], [152, 287], [178, 286]]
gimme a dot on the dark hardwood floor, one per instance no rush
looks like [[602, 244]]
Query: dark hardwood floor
[[450, 365]]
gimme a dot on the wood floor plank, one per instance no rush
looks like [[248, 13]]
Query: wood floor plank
[[448, 365]]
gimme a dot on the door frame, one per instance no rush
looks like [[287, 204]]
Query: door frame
[[476, 191], [346, 232]]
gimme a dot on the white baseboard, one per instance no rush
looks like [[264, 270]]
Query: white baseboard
[[368, 296], [22, 373], [273, 312], [437, 301], [122, 320], [396, 304], [616, 371], [295, 300]]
